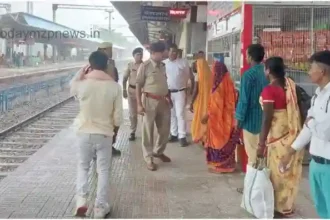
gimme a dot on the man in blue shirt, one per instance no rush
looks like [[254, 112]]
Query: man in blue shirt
[[248, 111]]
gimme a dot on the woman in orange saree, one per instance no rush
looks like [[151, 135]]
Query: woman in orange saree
[[203, 85], [221, 136]]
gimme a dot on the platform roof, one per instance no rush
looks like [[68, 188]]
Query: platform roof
[[149, 31], [144, 31], [27, 23]]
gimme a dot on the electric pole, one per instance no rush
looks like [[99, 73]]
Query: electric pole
[[110, 17], [55, 7], [28, 41], [5, 43]]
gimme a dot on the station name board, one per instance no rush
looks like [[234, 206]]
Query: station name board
[[163, 14]]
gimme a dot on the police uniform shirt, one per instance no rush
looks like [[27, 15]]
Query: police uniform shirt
[[131, 72], [152, 78], [112, 69]]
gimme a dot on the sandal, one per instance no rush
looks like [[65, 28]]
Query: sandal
[[279, 215]]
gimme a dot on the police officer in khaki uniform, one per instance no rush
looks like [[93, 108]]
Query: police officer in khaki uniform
[[106, 47], [180, 51], [130, 76], [154, 104]]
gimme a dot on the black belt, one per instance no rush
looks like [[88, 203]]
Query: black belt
[[176, 90], [131, 86], [321, 160]]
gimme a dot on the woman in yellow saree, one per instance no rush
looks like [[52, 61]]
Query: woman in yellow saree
[[221, 136], [280, 127], [203, 85]]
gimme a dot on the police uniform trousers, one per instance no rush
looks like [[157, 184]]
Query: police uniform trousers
[[157, 112], [132, 107]]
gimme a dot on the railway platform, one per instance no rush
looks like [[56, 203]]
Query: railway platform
[[44, 185], [10, 72]]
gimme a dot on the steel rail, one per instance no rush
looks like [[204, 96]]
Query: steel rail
[[27, 121]]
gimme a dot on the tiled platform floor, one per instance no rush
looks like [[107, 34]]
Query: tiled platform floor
[[44, 186]]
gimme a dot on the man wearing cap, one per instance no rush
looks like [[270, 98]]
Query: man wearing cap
[[130, 76], [180, 52], [106, 47], [154, 103]]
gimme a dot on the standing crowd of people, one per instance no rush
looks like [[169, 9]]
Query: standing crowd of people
[[267, 111]]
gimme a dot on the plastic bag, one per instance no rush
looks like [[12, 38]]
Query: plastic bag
[[258, 194]]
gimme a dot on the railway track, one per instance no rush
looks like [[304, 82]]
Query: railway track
[[23, 139]]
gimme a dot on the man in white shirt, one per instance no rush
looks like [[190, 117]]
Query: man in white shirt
[[101, 110], [178, 73], [317, 131], [191, 74]]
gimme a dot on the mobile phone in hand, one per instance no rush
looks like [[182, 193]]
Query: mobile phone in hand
[[88, 69]]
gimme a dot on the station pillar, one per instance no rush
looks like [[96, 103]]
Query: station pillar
[[198, 37], [246, 40]]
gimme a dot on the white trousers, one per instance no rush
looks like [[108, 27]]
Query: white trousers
[[91, 145], [178, 122]]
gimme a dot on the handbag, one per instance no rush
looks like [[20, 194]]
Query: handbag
[[304, 103], [258, 194]]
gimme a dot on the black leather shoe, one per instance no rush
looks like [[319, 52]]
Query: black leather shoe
[[132, 137], [183, 142], [173, 139], [115, 152]]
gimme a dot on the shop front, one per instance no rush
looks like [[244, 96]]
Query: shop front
[[294, 33], [224, 35]]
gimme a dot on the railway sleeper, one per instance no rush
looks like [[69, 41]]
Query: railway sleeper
[[3, 175], [64, 113], [48, 125], [34, 133], [40, 131], [8, 168], [19, 144], [49, 121], [42, 127], [28, 139], [2, 149], [14, 157], [10, 164], [52, 119]]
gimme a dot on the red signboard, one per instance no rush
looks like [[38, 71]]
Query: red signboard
[[178, 13]]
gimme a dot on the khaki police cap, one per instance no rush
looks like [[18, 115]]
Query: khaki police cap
[[105, 45]]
